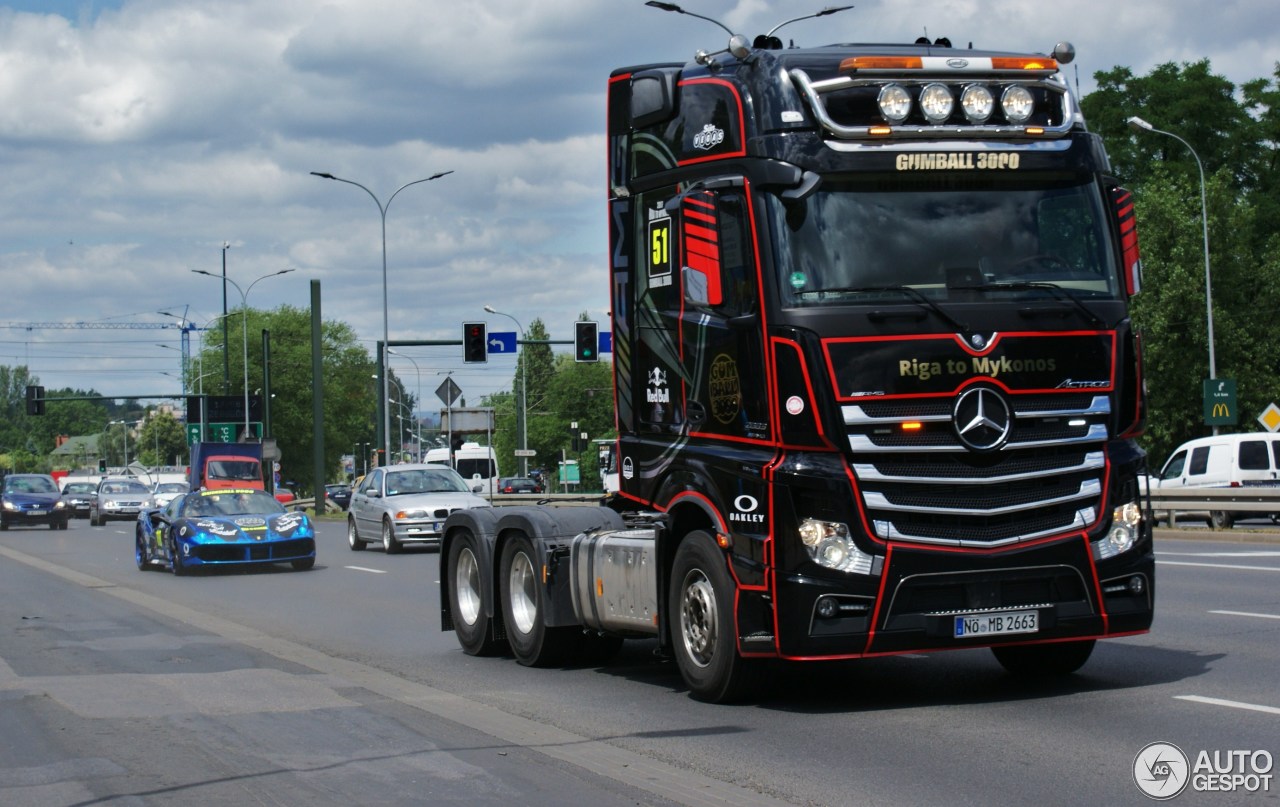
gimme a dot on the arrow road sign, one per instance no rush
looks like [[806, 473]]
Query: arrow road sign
[[502, 342]]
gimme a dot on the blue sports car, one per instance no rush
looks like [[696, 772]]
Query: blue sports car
[[228, 527]]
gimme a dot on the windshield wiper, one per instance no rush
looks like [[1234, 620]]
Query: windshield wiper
[[913, 294], [1055, 291]]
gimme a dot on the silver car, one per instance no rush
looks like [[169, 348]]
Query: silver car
[[166, 492], [118, 498], [403, 504]]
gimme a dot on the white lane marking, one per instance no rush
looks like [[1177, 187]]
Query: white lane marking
[[1219, 565], [1252, 707], [363, 569], [1246, 613]]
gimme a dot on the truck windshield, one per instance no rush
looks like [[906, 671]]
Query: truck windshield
[[236, 470], [857, 238]]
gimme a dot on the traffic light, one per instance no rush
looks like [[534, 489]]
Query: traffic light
[[586, 341], [35, 400], [474, 335], [102, 466]]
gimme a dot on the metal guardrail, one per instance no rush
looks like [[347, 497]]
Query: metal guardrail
[[1169, 504]]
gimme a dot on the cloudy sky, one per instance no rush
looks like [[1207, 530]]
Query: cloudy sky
[[139, 136]]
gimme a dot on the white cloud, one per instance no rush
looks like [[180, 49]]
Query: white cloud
[[136, 138]]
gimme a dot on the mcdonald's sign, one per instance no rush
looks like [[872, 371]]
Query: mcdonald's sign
[[1220, 402]]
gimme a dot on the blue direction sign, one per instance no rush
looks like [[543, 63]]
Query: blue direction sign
[[502, 342], [606, 341]]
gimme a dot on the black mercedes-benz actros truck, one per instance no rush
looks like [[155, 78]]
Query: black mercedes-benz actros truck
[[877, 387]]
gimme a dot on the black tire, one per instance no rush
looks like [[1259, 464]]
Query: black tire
[[523, 606], [353, 536], [702, 624], [303, 564], [93, 520], [1221, 520], [4, 525], [62, 525], [467, 582], [389, 543], [1044, 660], [140, 555], [179, 569]]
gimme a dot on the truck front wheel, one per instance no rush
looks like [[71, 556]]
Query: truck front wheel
[[523, 606], [701, 617], [1044, 660], [466, 597]]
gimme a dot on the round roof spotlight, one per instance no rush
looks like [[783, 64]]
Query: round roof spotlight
[[936, 102], [977, 103], [1017, 103], [895, 103]]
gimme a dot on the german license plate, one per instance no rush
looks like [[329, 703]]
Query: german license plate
[[996, 623]]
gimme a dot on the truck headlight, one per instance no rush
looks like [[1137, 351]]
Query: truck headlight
[[829, 545], [1125, 522]]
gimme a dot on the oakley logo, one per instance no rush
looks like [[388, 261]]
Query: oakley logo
[[982, 419]]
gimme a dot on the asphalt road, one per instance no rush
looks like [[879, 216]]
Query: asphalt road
[[336, 686]]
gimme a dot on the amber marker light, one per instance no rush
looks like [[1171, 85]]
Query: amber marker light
[[1023, 63], [880, 130], [882, 63], [912, 426]]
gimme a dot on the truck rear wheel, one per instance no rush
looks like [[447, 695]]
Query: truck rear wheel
[[702, 624], [1044, 660], [466, 597], [523, 607], [1221, 520]]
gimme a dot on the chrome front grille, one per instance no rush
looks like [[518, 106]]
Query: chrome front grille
[[923, 484]]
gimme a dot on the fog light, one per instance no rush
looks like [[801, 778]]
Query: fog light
[[828, 607], [1017, 103], [936, 102], [895, 103], [1137, 585], [977, 103]]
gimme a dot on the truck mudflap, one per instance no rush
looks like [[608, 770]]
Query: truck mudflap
[[932, 600]]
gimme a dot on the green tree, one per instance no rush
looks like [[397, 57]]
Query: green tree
[[349, 392], [1235, 136], [541, 369], [161, 440]]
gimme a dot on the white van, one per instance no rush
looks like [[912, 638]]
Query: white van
[[473, 462], [1224, 460]]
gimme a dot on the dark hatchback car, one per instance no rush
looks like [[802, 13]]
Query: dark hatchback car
[[339, 495], [77, 496], [518, 484], [30, 500]]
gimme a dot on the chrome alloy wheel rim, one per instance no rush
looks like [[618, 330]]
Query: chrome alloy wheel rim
[[524, 602], [466, 582], [698, 625]]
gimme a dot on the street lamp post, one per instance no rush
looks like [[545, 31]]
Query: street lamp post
[[125, 424], [244, 303], [417, 400], [524, 390], [1138, 124], [226, 354], [386, 336]]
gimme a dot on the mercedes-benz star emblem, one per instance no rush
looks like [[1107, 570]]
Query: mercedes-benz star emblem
[[982, 418]]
